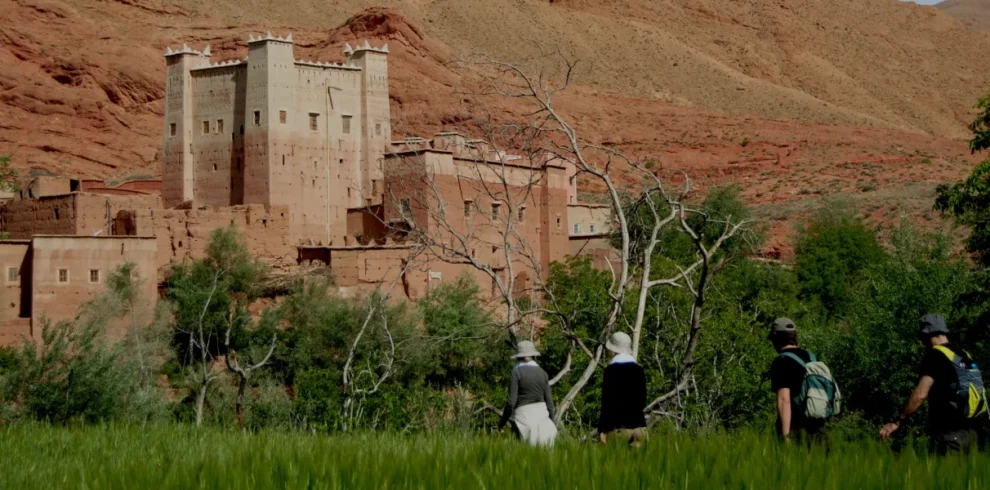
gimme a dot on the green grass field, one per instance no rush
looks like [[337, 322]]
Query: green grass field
[[183, 457]]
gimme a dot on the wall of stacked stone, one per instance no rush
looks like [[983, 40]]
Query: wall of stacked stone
[[184, 233]]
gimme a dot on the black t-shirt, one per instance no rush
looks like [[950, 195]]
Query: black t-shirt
[[940, 368], [623, 397], [785, 372]]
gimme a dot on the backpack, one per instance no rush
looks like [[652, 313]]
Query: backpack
[[967, 395], [819, 397]]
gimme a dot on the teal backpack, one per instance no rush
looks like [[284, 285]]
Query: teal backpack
[[819, 397]]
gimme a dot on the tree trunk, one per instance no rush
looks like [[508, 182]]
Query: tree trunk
[[581, 382], [239, 403], [200, 401]]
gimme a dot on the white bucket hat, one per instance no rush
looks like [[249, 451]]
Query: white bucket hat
[[526, 349], [620, 343]]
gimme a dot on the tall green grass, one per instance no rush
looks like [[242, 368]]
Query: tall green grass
[[182, 457]]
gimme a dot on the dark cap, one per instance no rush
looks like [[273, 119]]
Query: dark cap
[[933, 324], [782, 325]]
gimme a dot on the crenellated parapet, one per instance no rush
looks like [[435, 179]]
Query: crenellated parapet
[[365, 46]]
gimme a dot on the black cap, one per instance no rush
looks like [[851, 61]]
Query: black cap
[[782, 325], [933, 324]]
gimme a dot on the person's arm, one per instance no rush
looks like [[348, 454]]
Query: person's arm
[[548, 397], [918, 397], [784, 411], [510, 404]]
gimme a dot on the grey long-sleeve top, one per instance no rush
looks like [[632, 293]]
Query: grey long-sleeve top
[[529, 384]]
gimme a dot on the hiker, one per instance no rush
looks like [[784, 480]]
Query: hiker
[[530, 404], [623, 396], [806, 393], [953, 386]]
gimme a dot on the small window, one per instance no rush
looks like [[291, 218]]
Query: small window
[[558, 222], [577, 228], [206, 127], [378, 129], [522, 214], [314, 122], [13, 273], [496, 207], [94, 276], [591, 228], [219, 126], [348, 192], [345, 122], [573, 179], [171, 129], [214, 167], [63, 276], [467, 208], [374, 187], [405, 206], [281, 117], [257, 118]]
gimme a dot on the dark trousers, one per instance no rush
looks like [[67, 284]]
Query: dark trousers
[[942, 442]]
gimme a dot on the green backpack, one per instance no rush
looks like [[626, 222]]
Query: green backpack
[[819, 397]]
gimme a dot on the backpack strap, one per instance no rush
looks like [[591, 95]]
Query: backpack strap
[[796, 358], [953, 357]]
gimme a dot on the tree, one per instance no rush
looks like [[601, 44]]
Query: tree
[[210, 296], [544, 137], [832, 252], [77, 373], [969, 200], [8, 175]]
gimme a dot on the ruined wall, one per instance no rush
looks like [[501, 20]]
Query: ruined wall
[[54, 215], [184, 233], [68, 271]]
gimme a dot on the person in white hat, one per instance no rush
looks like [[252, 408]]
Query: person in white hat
[[530, 403], [623, 396]]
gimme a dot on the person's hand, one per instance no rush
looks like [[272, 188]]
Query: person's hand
[[501, 430], [889, 429], [602, 437]]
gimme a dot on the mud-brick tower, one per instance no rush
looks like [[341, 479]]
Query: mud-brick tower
[[376, 126], [177, 151]]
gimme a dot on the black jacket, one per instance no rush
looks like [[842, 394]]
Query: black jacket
[[623, 397]]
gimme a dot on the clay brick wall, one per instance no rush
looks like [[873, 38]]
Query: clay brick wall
[[70, 214], [54, 215], [184, 233], [56, 297]]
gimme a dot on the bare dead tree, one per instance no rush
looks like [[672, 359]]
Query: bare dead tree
[[370, 378], [549, 136], [241, 365]]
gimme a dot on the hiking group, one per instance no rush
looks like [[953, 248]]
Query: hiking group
[[806, 393]]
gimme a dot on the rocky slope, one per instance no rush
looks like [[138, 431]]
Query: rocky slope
[[791, 98], [974, 12]]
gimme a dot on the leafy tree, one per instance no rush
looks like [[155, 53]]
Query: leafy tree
[[8, 175], [209, 295], [832, 253], [969, 200], [76, 374]]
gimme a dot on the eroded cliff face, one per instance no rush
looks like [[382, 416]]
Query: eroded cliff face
[[790, 99]]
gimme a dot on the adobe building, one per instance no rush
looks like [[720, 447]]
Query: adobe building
[[299, 156], [277, 131], [50, 277]]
